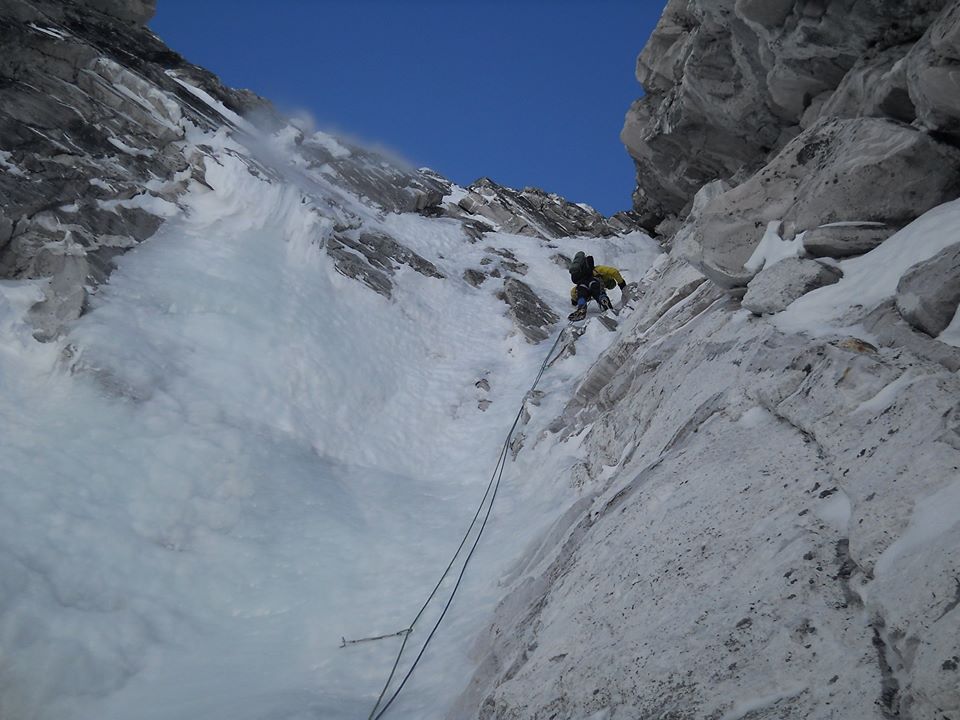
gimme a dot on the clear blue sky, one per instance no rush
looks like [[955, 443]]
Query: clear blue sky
[[527, 92]]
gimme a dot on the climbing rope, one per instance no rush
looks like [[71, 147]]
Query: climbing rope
[[381, 706]]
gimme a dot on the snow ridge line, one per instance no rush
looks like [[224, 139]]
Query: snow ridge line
[[491, 492]]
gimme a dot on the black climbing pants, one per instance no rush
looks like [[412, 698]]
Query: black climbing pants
[[593, 289]]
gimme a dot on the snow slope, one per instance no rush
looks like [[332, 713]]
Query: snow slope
[[238, 456]]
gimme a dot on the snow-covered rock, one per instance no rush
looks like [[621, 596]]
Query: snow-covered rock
[[373, 257], [780, 284], [762, 512], [532, 316], [94, 120]]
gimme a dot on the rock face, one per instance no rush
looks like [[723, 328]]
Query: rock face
[[728, 83], [759, 524], [777, 286], [928, 295], [933, 74], [863, 169], [741, 534], [96, 120]]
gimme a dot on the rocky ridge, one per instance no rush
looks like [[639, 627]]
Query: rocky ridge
[[536, 213]]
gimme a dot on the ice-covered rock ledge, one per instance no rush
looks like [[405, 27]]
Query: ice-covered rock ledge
[[762, 523]]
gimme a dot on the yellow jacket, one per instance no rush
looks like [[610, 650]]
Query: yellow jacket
[[611, 278]]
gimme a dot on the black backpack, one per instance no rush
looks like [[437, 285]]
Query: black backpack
[[581, 269]]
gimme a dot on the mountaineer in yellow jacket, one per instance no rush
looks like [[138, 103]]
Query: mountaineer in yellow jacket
[[592, 281]]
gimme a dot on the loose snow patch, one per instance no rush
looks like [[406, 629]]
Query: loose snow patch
[[887, 396], [772, 249], [330, 144], [457, 194], [144, 201], [756, 417], [836, 511], [9, 166], [123, 147]]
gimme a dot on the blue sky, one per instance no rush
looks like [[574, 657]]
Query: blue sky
[[528, 92]]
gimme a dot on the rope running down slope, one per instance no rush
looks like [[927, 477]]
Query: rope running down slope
[[381, 706]]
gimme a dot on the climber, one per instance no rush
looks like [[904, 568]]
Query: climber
[[592, 281]]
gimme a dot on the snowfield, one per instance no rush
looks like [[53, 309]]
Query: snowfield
[[239, 456]]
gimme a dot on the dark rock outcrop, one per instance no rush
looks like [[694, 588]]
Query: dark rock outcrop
[[476, 278], [530, 314], [373, 258]]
